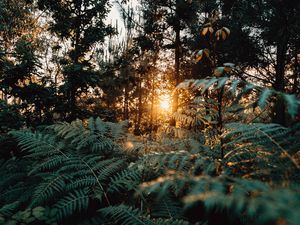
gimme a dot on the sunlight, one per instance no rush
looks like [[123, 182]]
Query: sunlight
[[165, 102]]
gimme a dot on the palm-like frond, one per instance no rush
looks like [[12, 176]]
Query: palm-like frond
[[8, 210], [38, 144], [125, 215], [76, 201]]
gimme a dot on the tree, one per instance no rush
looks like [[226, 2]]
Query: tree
[[171, 19], [20, 80], [273, 25], [81, 24]]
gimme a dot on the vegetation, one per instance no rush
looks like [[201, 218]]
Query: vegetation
[[180, 112]]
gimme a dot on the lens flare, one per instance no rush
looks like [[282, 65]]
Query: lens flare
[[165, 102]]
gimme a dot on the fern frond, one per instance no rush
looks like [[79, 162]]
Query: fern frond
[[98, 136], [125, 215], [127, 179], [293, 104], [167, 207], [46, 190], [272, 140], [246, 198], [161, 221], [8, 210], [50, 164], [38, 144], [106, 172], [76, 201], [81, 182]]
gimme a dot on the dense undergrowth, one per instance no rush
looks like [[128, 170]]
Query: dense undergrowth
[[84, 173], [230, 153]]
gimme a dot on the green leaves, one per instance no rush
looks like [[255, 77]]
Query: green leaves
[[240, 88], [219, 71], [293, 104], [73, 202], [266, 93], [125, 215], [53, 185], [7, 210], [96, 136], [92, 188]]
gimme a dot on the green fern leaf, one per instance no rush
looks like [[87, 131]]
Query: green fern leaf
[[77, 201], [52, 185], [292, 104], [8, 210], [125, 215], [266, 93]]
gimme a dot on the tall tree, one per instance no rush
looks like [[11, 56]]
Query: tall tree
[[81, 24], [171, 19], [274, 26], [20, 80]]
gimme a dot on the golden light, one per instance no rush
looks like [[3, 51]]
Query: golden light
[[165, 102]]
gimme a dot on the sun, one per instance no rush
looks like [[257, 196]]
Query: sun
[[165, 102]]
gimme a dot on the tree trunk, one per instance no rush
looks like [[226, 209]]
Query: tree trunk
[[126, 103], [296, 71], [279, 85], [177, 63], [139, 109]]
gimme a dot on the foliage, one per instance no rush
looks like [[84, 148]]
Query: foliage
[[64, 177], [230, 154]]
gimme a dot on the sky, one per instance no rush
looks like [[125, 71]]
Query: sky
[[115, 15]]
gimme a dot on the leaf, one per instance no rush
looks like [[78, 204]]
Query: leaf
[[199, 56], [219, 71], [208, 84], [231, 65], [264, 97], [233, 87], [73, 202], [248, 87], [125, 215], [38, 212], [204, 31], [7, 210], [292, 104], [222, 82]]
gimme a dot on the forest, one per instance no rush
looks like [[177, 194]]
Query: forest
[[150, 112]]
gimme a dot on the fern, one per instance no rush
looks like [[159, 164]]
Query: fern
[[82, 182], [38, 144], [125, 215], [245, 198], [126, 180], [64, 175], [272, 144], [46, 190], [49, 164], [98, 136], [167, 207], [241, 88], [106, 172], [76, 201], [8, 210], [170, 222]]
